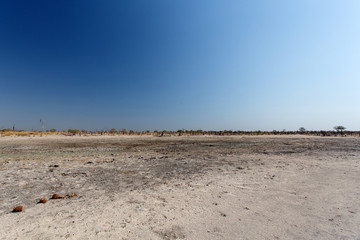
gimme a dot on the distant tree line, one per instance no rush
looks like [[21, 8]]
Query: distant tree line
[[338, 131]]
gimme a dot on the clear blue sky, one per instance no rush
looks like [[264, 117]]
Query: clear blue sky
[[160, 64]]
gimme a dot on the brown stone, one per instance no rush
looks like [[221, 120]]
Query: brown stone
[[71, 195], [18, 209], [43, 200], [56, 196]]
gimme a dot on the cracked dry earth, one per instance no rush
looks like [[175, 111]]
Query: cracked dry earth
[[206, 187]]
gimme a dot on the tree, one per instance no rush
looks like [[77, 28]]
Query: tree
[[340, 129], [73, 131], [302, 129], [6, 130], [123, 131], [113, 130], [180, 132]]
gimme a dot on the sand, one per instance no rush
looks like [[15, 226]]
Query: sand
[[206, 187]]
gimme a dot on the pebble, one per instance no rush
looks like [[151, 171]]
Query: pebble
[[18, 209]]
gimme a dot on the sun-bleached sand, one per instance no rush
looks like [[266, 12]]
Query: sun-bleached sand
[[203, 187]]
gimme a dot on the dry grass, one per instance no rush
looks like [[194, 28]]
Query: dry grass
[[29, 133]]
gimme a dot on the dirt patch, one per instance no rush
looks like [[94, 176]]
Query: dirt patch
[[165, 178]]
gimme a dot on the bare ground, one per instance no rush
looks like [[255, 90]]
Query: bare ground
[[180, 187]]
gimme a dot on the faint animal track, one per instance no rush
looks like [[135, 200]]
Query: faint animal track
[[176, 232]]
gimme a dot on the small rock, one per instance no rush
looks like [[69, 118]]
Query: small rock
[[56, 196], [18, 209], [42, 200], [55, 165], [71, 195]]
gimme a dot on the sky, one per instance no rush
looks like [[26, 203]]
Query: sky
[[181, 64]]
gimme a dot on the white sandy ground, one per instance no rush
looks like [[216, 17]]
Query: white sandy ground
[[312, 194]]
